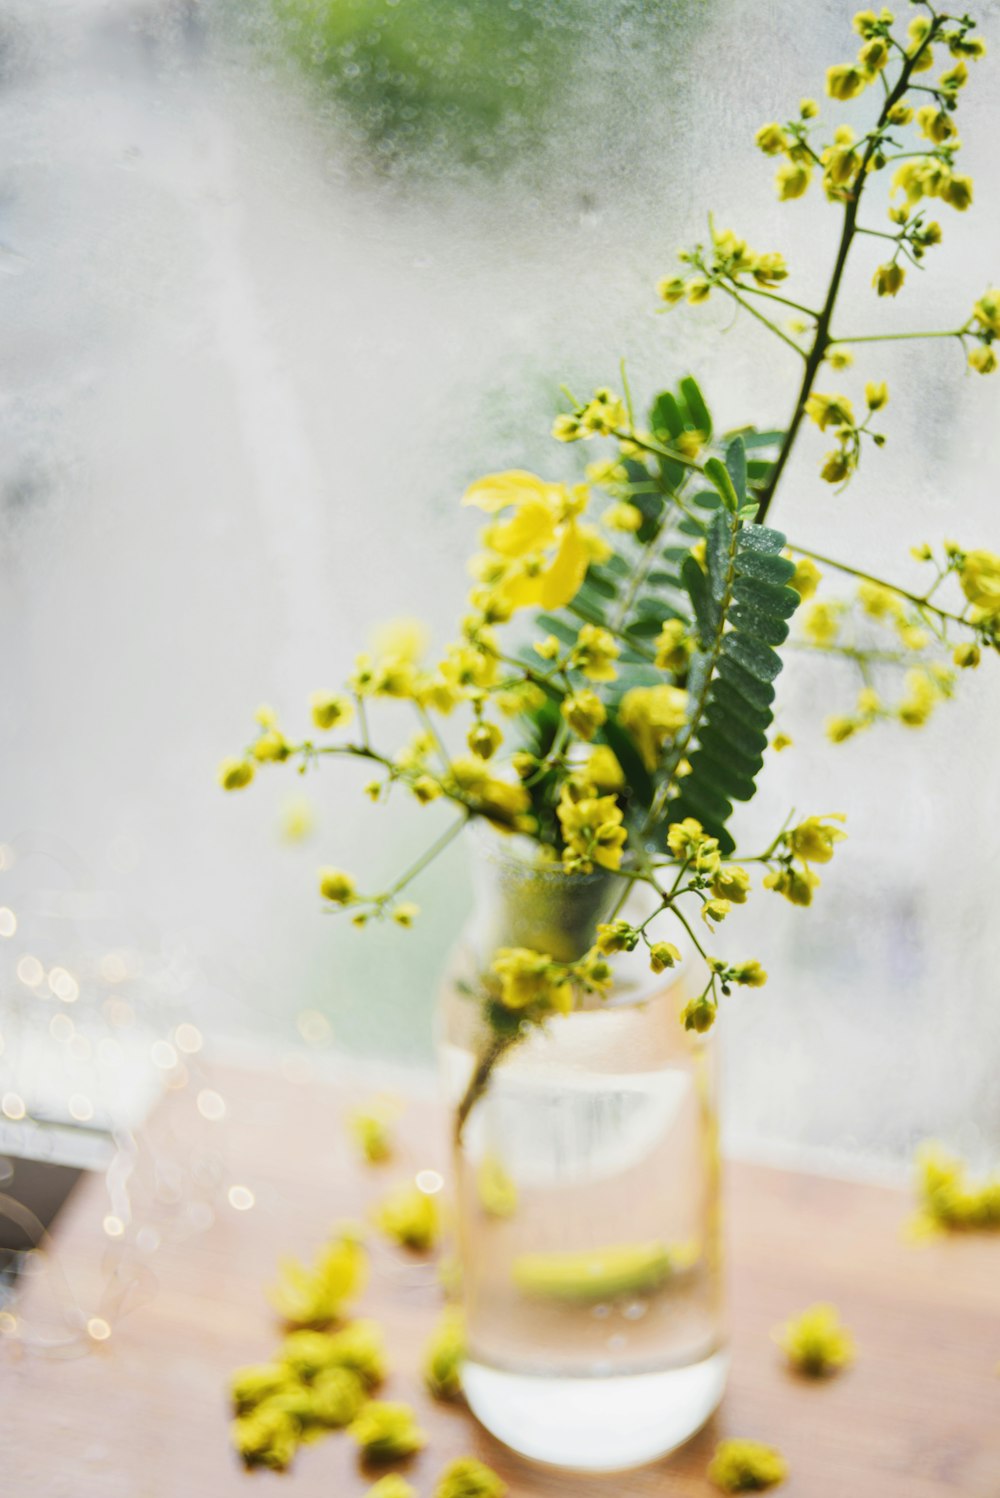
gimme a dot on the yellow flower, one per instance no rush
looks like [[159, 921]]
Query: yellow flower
[[983, 359], [545, 553], [387, 1432], [622, 517], [671, 289], [531, 980], [688, 841], [410, 1217], [662, 955], [405, 913], [822, 622], [922, 697], [330, 708], [840, 358], [674, 646], [603, 770], [698, 1014], [469, 1478], [845, 81], [792, 179], [948, 1199], [495, 1188], [371, 1130], [360, 1349], [698, 290], [876, 395], [444, 1355], [731, 883], [392, 1486], [336, 886], [864, 23], [781, 741], [652, 716], [234, 774], [750, 973], [772, 140], [806, 578], [813, 840], [252, 1385], [715, 910], [796, 885], [987, 311], [500, 802], [837, 466], [889, 278], [592, 830], [484, 739], [271, 747], [874, 56], [830, 410], [317, 1296], [746, 1467], [967, 655], [595, 653], [900, 114], [869, 703], [584, 712], [878, 601], [808, 109], [266, 1438], [298, 819], [979, 576], [815, 1342], [935, 123], [839, 730], [401, 640]]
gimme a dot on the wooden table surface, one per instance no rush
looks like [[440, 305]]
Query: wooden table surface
[[145, 1415]]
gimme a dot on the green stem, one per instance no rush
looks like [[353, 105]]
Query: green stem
[[815, 357], [773, 296], [918, 600], [773, 327], [898, 337], [428, 856]]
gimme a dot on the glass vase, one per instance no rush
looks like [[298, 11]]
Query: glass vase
[[587, 1183]]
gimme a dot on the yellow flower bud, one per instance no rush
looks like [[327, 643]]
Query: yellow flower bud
[[387, 1432], [983, 359], [663, 954], [731, 884], [584, 712], [806, 578], [967, 655], [839, 730], [816, 1343], [622, 517], [698, 290], [772, 140], [889, 278], [469, 1478], [750, 974], [698, 1014], [781, 741], [671, 289], [839, 358], [410, 1218], [234, 774], [876, 395], [336, 886], [845, 81], [405, 914], [900, 114], [270, 747], [837, 466], [808, 109], [792, 179], [484, 739], [813, 840], [330, 708], [957, 191]]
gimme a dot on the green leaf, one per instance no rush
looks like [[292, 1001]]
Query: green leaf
[[736, 464], [761, 439], [636, 775], [759, 659], [764, 565], [779, 601], [705, 612], [665, 418], [718, 474], [553, 625], [697, 408]]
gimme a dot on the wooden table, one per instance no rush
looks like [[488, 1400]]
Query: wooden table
[[145, 1416]]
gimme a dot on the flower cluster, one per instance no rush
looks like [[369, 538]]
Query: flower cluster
[[608, 692], [948, 1199], [815, 1342], [746, 1467]]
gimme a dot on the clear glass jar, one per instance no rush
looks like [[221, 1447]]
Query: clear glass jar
[[587, 1182]]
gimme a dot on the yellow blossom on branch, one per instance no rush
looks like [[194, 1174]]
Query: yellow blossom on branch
[[746, 1467]]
